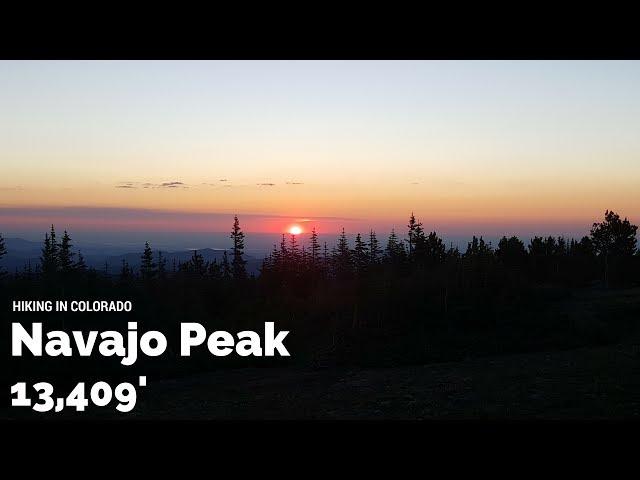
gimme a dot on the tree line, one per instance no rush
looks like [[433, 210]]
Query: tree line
[[608, 244], [406, 298]]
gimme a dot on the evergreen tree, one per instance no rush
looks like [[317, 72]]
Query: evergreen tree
[[54, 245], [274, 260], [3, 252], [343, 245], [326, 260], [226, 269], [196, 264], [478, 248], [28, 270], [582, 248], [3, 248], [49, 258], [162, 266], [65, 255], [294, 251], [430, 250], [453, 253], [374, 248], [284, 253], [614, 237], [315, 247], [126, 273], [561, 247], [394, 251], [511, 251], [415, 233], [80, 265], [305, 257], [360, 254], [214, 270], [238, 263], [342, 255], [550, 246], [537, 246], [478, 258], [147, 266]]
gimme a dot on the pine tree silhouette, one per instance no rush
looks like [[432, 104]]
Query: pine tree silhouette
[[430, 250], [162, 266], [29, 270], [226, 269], [238, 263], [196, 264], [342, 256], [478, 248], [214, 270], [613, 238], [3, 252], [147, 267], [360, 254], [126, 273], [315, 247], [65, 255], [394, 251], [49, 258], [80, 265], [414, 234], [511, 251], [3, 248], [374, 248], [294, 251], [284, 252]]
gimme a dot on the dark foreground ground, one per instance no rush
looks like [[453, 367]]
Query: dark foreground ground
[[586, 383]]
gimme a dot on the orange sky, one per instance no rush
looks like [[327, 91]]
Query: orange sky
[[499, 144]]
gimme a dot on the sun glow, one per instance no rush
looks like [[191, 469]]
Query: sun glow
[[295, 230]]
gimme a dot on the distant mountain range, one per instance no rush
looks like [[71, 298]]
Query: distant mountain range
[[21, 252]]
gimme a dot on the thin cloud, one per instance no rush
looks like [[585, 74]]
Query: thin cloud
[[238, 185], [173, 184], [216, 184]]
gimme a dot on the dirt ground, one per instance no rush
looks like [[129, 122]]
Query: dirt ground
[[586, 383]]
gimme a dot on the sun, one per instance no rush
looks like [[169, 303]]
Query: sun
[[295, 230]]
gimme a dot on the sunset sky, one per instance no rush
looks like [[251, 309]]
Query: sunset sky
[[500, 146]]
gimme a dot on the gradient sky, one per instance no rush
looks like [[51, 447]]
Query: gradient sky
[[500, 146]]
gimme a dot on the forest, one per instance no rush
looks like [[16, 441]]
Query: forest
[[406, 299]]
